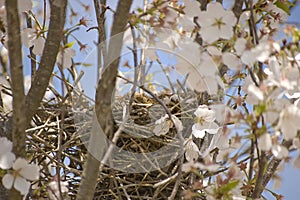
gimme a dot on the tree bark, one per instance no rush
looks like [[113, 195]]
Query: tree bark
[[48, 60], [24, 107], [17, 85], [105, 88]]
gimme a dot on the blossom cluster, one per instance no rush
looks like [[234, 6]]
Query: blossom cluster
[[267, 72], [20, 172]]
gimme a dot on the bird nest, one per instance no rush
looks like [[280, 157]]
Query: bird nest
[[57, 140]]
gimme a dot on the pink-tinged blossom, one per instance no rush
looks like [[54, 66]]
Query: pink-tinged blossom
[[22, 171], [216, 23]]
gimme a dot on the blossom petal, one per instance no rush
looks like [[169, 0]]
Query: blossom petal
[[279, 151], [191, 151], [22, 185], [19, 163], [204, 20], [30, 172], [8, 181], [209, 127], [28, 36], [255, 95], [265, 142], [209, 34], [240, 45], [230, 60], [197, 133], [229, 18], [190, 8], [5, 145], [226, 32], [39, 44], [6, 160]]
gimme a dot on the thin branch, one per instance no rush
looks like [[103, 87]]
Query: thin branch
[[259, 177], [101, 43], [237, 8], [32, 55]]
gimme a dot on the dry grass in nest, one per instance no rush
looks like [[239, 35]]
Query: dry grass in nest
[[56, 139]]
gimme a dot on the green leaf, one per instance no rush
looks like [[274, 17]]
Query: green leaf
[[69, 45], [140, 10], [229, 186], [284, 5], [260, 109], [87, 64]]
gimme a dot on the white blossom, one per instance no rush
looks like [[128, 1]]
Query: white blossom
[[31, 37], [64, 57], [191, 9], [227, 58], [22, 171], [216, 23], [186, 167], [279, 15], [204, 122], [279, 151], [254, 95], [189, 58], [191, 151], [6, 156], [249, 53], [289, 121], [163, 125], [265, 142]]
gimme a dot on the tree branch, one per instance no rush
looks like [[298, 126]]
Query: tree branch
[[43, 74], [237, 8], [101, 49], [105, 88], [17, 84], [259, 177]]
